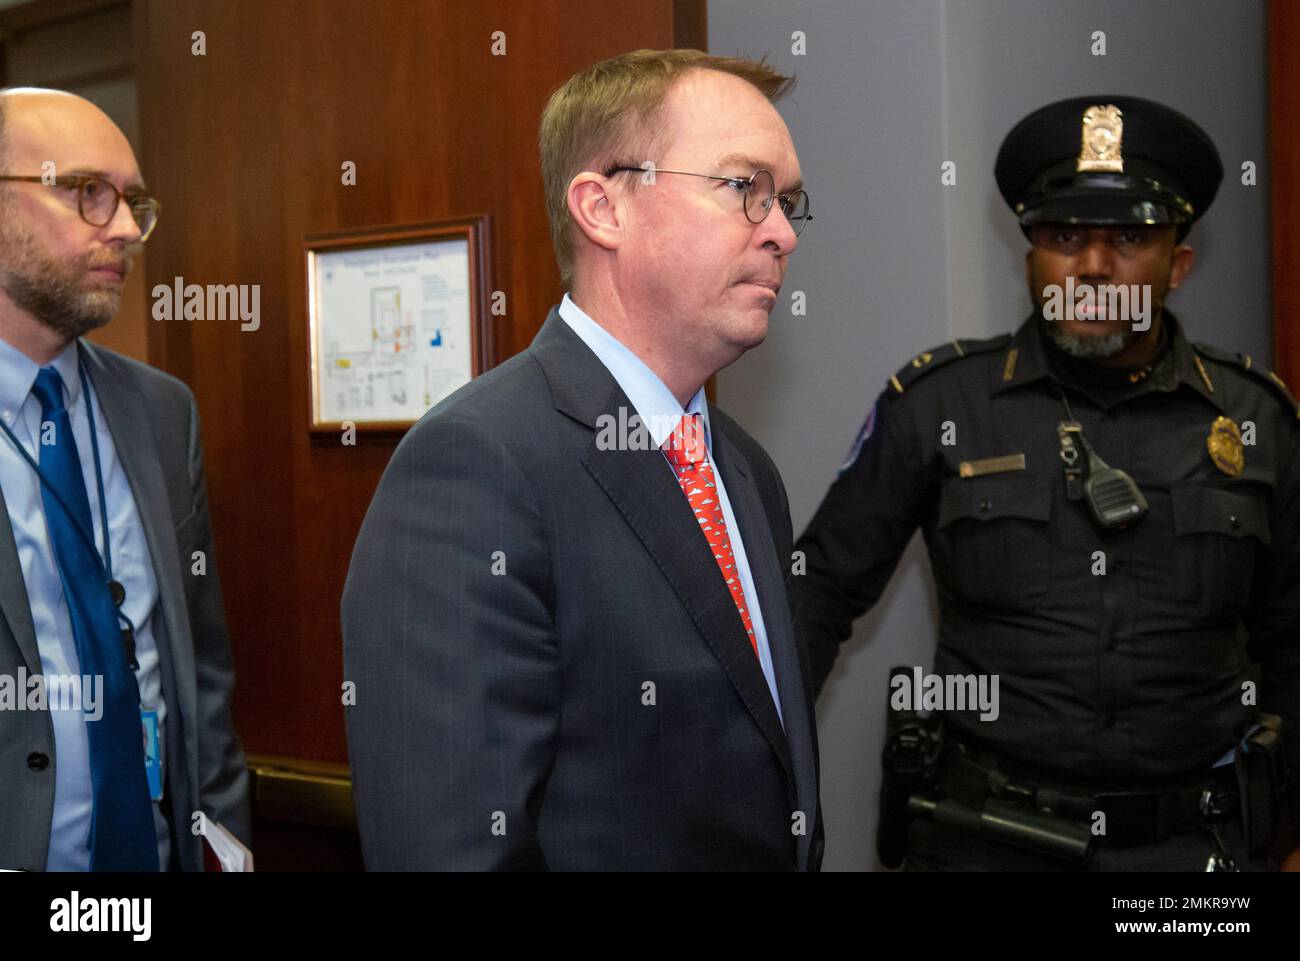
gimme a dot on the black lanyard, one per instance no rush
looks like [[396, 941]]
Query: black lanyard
[[115, 589]]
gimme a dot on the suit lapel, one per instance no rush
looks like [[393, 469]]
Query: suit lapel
[[128, 419], [773, 600], [14, 604], [642, 486], [644, 489]]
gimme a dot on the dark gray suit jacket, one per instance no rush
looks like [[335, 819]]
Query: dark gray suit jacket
[[550, 671], [155, 428]]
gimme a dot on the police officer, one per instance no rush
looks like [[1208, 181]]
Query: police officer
[[1112, 513]]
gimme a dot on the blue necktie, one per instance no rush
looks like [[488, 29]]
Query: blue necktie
[[121, 825]]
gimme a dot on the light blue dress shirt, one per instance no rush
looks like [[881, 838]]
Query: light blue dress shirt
[[132, 567], [660, 412]]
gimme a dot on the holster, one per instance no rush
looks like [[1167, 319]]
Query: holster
[[912, 743], [1260, 765]]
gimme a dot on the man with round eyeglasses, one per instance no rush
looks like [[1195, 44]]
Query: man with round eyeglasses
[[108, 625], [626, 691]]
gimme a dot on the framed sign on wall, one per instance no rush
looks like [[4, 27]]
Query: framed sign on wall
[[398, 320]]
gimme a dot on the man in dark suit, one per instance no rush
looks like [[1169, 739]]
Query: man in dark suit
[[567, 616], [116, 745]]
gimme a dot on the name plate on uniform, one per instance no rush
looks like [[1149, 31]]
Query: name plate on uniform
[[991, 465]]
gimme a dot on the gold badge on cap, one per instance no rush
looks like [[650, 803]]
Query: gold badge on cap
[[1103, 140], [1225, 447]]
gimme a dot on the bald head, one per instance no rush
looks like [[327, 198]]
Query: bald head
[[63, 235], [40, 126]]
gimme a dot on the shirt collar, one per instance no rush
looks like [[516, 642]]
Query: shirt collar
[[650, 397], [18, 376], [1025, 360]]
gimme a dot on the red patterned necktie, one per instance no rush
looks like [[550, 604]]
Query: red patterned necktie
[[687, 452]]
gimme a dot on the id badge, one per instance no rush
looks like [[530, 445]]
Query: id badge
[[152, 757]]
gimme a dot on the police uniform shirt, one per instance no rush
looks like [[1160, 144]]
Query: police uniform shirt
[[1121, 678]]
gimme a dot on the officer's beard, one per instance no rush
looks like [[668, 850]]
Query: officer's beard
[[1088, 347], [51, 290]]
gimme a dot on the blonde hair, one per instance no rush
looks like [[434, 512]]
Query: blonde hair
[[610, 111]]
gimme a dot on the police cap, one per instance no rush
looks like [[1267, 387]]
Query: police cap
[[1108, 160]]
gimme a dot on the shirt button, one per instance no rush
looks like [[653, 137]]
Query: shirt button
[[1234, 522], [38, 761], [986, 504]]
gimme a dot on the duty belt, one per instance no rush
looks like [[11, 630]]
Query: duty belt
[[974, 778]]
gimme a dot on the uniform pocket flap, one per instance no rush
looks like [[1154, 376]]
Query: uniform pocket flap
[[1213, 510], [986, 498]]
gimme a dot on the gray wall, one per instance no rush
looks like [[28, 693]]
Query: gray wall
[[895, 262]]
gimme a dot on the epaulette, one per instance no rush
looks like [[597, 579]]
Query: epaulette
[[924, 363], [1244, 362]]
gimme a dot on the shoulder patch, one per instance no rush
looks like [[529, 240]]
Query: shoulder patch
[[864, 434], [937, 357], [1243, 361]]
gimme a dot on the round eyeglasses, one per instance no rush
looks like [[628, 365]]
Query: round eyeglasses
[[97, 200], [759, 193]]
